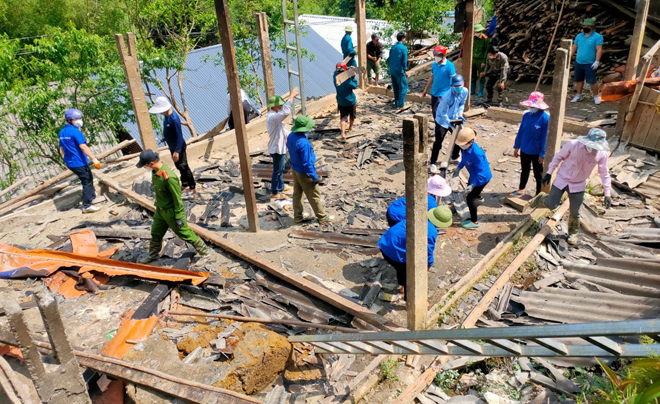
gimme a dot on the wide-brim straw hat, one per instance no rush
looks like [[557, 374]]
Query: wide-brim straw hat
[[596, 139], [536, 100], [161, 105]]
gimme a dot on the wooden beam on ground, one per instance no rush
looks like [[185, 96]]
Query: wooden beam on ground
[[558, 107], [136, 90], [633, 61], [20, 200], [268, 266], [646, 61], [42, 194], [13, 186], [361, 21], [266, 60], [416, 388], [515, 116], [468, 45], [415, 135], [231, 68]]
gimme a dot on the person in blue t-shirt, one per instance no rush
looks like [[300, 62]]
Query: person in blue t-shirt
[[530, 141], [442, 70], [176, 143], [474, 159], [73, 147], [588, 49], [346, 100]]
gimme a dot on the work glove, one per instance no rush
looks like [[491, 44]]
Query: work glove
[[97, 163], [469, 189], [546, 180], [179, 223], [607, 202], [595, 65], [456, 173]]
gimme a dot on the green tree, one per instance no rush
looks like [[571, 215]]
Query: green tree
[[419, 18]]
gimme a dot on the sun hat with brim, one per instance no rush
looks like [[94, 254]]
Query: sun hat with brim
[[146, 157], [161, 105], [441, 216], [349, 28], [596, 139], [437, 186], [479, 28], [536, 100], [275, 101], [465, 136], [303, 124], [589, 21]]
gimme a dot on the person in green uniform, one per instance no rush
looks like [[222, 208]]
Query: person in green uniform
[[170, 212], [479, 57]]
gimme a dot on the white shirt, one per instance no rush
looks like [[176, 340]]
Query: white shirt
[[276, 129], [244, 97]]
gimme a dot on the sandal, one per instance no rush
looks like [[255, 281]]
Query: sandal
[[515, 193]]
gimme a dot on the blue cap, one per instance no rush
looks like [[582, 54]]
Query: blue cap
[[457, 80], [72, 114]]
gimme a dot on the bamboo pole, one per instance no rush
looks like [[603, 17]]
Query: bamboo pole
[[552, 39]]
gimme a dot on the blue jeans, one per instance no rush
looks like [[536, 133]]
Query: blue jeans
[[277, 182], [87, 181]]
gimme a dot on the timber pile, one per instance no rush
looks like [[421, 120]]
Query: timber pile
[[525, 29]]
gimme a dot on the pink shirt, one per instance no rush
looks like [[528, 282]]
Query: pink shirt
[[578, 163]]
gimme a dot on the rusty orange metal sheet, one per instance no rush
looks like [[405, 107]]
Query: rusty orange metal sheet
[[65, 285], [132, 330], [10, 350], [48, 261]]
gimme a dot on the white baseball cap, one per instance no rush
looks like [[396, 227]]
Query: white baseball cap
[[161, 105]]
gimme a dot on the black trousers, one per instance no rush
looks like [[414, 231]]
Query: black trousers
[[526, 162], [440, 134], [87, 181], [400, 268], [247, 110], [491, 79], [187, 179], [471, 200]]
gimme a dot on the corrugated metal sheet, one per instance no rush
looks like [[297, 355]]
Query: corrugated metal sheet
[[635, 281], [205, 84]]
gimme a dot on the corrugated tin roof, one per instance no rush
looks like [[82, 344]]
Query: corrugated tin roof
[[205, 84]]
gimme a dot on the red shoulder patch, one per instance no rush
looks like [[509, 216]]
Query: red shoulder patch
[[164, 174]]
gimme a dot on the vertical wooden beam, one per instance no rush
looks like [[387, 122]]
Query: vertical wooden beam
[[633, 62], [415, 135], [558, 105], [134, 82], [229, 55], [361, 21], [266, 59], [468, 44]]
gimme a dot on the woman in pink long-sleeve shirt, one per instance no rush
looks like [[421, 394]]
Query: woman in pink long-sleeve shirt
[[578, 159]]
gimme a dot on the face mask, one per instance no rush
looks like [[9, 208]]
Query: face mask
[[492, 57], [586, 30], [78, 123], [534, 110], [465, 146], [456, 90], [438, 60]]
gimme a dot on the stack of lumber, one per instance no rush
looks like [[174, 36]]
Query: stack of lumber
[[525, 29]]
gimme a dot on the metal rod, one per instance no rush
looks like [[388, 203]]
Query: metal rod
[[266, 321]]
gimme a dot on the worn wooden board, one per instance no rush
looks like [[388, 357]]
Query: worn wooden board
[[519, 203], [348, 74]]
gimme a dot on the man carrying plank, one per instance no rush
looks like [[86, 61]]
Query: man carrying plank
[[346, 100]]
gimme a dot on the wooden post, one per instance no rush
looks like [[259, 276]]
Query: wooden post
[[558, 106], [468, 45], [633, 62], [229, 55], [134, 81], [266, 60], [415, 135], [361, 21]]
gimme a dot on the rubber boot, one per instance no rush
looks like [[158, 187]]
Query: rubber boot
[[473, 87], [481, 89], [201, 248], [154, 252], [537, 202], [573, 230]]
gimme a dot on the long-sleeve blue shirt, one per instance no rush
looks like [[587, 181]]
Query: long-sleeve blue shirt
[[345, 95], [301, 154], [533, 133], [347, 49], [474, 159], [397, 209], [172, 133], [450, 107], [393, 242], [398, 59]]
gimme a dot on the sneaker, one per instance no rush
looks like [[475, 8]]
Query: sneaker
[[434, 169], [287, 189], [456, 161], [91, 209], [277, 196], [480, 200], [469, 224], [596, 100], [330, 219], [578, 97], [305, 218]]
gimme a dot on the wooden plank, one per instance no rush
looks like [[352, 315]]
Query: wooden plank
[[268, 266], [646, 116], [22, 202], [361, 21], [13, 186], [468, 47], [19, 200], [266, 59], [231, 68], [335, 238]]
